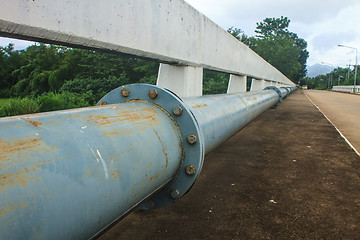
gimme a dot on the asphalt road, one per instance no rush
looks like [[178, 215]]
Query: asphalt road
[[343, 110], [287, 175]]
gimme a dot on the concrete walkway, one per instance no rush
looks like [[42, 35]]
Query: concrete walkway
[[343, 110], [287, 175]]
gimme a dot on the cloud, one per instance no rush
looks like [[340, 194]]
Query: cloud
[[328, 40], [323, 24]]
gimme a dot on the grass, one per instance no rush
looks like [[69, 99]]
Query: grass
[[4, 101], [44, 103]]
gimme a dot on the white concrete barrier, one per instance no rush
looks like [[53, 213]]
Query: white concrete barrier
[[170, 32], [348, 88]]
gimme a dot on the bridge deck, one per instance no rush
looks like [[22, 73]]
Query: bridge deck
[[287, 175]]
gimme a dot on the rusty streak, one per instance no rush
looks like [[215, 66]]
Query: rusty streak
[[19, 145], [165, 154], [199, 105], [32, 122], [146, 115], [21, 178], [10, 207]]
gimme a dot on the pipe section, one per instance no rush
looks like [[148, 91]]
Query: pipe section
[[70, 174], [221, 116]]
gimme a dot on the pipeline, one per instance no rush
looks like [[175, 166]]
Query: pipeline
[[70, 174]]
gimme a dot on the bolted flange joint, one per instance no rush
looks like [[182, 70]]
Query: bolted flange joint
[[277, 90], [192, 148]]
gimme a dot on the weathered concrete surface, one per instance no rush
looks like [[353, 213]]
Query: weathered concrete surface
[[348, 88], [287, 175], [170, 31], [343, 110]]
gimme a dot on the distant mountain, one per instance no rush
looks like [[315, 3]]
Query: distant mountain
[[318, 69]]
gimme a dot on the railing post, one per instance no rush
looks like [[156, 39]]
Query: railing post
[[237, 84], [257, 84], [185, 81]]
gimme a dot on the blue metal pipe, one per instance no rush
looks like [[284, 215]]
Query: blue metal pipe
[[70, 174], [221, 116]]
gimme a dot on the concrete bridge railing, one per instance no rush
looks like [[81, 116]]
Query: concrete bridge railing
[[71, 174], [169, 31], [349, 88]]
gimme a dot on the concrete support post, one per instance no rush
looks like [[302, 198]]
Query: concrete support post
[[237, 84], [183, 80], [257, 84], [268, 83]]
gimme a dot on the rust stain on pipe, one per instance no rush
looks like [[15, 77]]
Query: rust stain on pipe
[[32, 122], [165, 154], [20, 178], [18, 147], [10, 207], [143, 116], [115, 133], [21, 147], [199, 105]]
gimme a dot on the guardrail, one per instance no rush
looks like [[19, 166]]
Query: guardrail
[[70, 174], [349, 89], [171, 32]]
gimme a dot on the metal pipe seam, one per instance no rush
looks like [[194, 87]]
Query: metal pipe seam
[[279, 92], [287, 91]]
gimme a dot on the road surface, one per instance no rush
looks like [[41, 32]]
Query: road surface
[[287, 175], [343, 110]]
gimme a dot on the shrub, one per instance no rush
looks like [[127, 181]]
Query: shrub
[[58, 101], [19, 106], [46, 102], [97, 86]]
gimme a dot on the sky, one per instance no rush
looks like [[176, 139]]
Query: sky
[[322, 23]]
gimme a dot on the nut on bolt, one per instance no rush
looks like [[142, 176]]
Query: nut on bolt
[[190, 170], [102, 103], [153, 93], [175, 194], [191, 139], [125, 92], [177, 110]]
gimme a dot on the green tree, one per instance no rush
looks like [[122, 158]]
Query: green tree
[[275, 31], [240, 35], [10, 60]]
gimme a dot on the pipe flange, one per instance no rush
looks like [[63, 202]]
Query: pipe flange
[[193, 144], [288, 91], [277, 90]]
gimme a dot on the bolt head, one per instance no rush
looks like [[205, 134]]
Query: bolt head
[[174, 194], [102, 103], [190, 170], [177, 110], [191, 139], [125, 92], [153, 93]]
